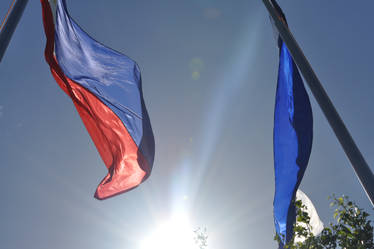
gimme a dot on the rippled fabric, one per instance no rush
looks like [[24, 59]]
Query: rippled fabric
[[105, 87], [112, 77], [293, 133]]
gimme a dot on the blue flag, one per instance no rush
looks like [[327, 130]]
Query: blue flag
[[293, 135]]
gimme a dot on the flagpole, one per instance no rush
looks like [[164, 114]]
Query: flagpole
[[9, 24], [358, 162]]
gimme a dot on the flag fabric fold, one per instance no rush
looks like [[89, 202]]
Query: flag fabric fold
[[293, 134], [106, 89]]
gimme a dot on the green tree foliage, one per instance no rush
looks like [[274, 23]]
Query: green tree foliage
[[201, 238], [352, 229]]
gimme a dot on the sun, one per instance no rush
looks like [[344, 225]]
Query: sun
[[175, 233]]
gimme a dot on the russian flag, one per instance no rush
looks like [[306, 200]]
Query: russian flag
[[106, 89]]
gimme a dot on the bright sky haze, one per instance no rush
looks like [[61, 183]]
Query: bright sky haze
[[209, 70]]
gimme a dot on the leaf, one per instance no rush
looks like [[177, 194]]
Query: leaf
[[341, 200]]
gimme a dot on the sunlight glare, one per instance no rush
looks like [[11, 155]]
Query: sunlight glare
[[176, 233]]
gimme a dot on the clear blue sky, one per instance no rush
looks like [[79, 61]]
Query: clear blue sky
[[209, 73]]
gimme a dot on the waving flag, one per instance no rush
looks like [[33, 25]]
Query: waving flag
[[105, 87], [293, 134]]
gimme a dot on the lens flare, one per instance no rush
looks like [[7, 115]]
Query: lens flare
[[175, 233]]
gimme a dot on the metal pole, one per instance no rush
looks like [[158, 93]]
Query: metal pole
[[9, 24], [358, 162]]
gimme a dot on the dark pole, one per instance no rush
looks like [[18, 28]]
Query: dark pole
[[10, 23], [358, 162]]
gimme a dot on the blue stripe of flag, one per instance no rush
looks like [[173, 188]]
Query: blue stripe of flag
[[293, 135], [111, 76]]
